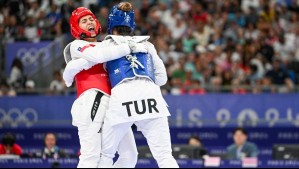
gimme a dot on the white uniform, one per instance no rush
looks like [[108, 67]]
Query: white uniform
[[144, 106], [139, 101], [90, 130], [140, 98]]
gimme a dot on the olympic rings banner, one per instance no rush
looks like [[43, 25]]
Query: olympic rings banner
[[222, 110], [36, 111], [28, 53]]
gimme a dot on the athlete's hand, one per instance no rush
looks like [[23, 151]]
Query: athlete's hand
[[67, 79], [137, 47]]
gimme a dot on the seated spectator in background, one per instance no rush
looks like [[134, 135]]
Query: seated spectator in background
[[51, 150], [196, 88], [264, 86], [55, 19], [31, 30], [8, 145], [12, 30], [238, 88], [17, 78], [241, 148], [57, 85], [196, 142], [280, 77], [218, 41], [29, 89], [30, 86], [5, 90]]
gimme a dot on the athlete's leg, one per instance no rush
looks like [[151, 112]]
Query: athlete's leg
[[127, 150], [112, 136], [157, 133], [88, 112]]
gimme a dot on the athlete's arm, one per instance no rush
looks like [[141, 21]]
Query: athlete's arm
[[98, 52], [73, 68], [160, 70], [103, 52]]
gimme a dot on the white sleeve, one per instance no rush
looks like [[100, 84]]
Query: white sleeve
[[73, 68], [160, 70], [99, 52]]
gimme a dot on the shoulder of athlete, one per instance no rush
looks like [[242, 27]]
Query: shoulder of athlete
[[149, 44], [78, 45], [107, 42], [75, 45], [151, 48], [138, 39]]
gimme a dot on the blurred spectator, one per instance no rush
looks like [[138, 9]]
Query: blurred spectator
[[256, 71], [90, 4], [16, 7], [57, 85], [247, 4], [31, 30], [195, 141], [266, 50], [54, 18], [241, 148], [280, 77], [196, 88], [34, 9], [179, 29], [29, 89], [12, 30], [59, 3], [43, 25], [51, 149], [102, 16], [245, 35], [268, 13], [283, 49], [6, 90], [30, 86], [8, 145], [17, 78], [66, 10], [189, 42]]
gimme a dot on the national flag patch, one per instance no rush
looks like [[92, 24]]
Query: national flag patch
[[81, 49]]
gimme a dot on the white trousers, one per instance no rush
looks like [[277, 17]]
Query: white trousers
[[88, 114], [157, 133]]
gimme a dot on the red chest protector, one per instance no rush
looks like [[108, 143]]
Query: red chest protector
[[93, 78]]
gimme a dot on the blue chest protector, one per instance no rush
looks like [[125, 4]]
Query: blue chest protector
[[130, 67]]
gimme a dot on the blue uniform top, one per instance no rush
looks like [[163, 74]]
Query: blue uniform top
[[130, 67]]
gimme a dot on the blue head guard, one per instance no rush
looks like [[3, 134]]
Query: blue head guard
[[118, 17]]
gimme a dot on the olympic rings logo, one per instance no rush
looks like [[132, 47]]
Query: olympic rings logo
[[30, 56], [15, 117]]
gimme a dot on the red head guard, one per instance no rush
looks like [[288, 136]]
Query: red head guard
[[76, 31]]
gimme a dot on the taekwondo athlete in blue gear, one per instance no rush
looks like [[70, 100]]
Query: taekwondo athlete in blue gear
[[131, 66], [136, 81]]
